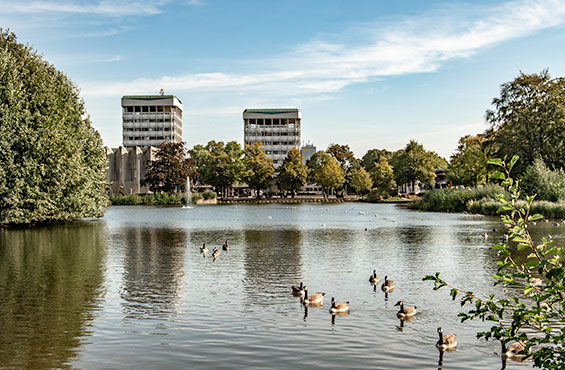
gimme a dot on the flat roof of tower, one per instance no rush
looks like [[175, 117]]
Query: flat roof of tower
[[150, 97], [272, 111]]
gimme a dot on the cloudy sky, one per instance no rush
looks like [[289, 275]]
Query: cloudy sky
[[368, 73]]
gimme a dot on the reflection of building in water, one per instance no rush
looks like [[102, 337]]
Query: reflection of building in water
[[273, 259], [50, 285], [153, 271]]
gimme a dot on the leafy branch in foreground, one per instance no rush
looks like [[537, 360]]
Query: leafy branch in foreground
[[531, 309]]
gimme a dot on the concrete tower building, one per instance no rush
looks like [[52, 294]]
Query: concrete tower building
[[149, 120], [277, 129]]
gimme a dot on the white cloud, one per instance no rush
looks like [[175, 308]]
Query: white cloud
[[415, 45], [106, 8]]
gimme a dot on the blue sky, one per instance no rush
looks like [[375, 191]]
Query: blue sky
[[368, 73]]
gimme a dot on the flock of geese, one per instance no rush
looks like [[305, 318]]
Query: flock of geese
[[445, 342]]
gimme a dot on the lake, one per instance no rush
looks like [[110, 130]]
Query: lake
[[131, 290]]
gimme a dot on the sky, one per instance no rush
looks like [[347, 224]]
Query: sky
[[366, 73]]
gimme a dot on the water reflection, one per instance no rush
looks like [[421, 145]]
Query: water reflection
[[153, 271], [273, 262], [50, 285]]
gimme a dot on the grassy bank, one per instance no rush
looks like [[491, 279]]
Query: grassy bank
[[482, 200], [159, 199]]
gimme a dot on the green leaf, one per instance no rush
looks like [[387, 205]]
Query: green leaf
[[497, 175], [504, 208], [495, 161], [513, 162]]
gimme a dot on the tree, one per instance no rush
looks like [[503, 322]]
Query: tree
[[52, 163], [528, 120], [382, 175], [468, 166], [258, 167], [346, 160], [292, 173], [325, 171], [373, 156], [170, 169], [414, 164], [531, 309], [219, 165], [361, 180]]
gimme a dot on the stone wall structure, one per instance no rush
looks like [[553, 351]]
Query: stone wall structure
[[127, 167]]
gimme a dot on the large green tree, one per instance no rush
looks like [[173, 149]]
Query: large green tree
[[382, 175], [347, 161], [361, 180], [52, 163], [373, 156], [169, 171], [258, 167], [414, 164], [528, 120], [468, 166], [293, 172], [219, 165], [325, 171]]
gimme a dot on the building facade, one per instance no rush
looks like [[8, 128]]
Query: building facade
[[149, 120], [307, 151], [127, 167], [277, 129]]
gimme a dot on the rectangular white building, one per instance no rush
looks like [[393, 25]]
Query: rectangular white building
[[149, 120], [277, 129]]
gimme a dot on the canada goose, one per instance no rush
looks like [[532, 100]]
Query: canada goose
[[514, 352], [388, 285], [313, 298], [545, 220], [204, 248], [226, 246], [536, 281], [485, 235], [405, 311], [298, 290], [339, 307], [447, 342], [374, 279], [556, 224], [216, 253]]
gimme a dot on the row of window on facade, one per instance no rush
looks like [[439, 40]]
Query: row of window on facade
[[294, 142], [138, 129], [267, 133], [143, 120], [151, 109], [272, 121], [163, 138]]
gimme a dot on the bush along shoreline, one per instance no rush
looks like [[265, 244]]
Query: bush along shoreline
[[479, 200], [159, 199]]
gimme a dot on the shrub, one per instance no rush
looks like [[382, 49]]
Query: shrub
[[455, 200], [209, 194], [543, 182]]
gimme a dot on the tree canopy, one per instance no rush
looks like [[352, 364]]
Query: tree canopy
[[528, 119], [169, 171], [373, 156], [414, 164], [52, 162], [219, 165], [292, 173], [361, 180], [468, 166], [382, 175], [258, 167], [325, 171]]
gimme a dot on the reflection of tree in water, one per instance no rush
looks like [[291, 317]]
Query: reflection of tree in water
[[153, 271], [273, 261], [50, 282]]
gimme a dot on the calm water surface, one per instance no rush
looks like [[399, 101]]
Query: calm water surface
[[131, 290]]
